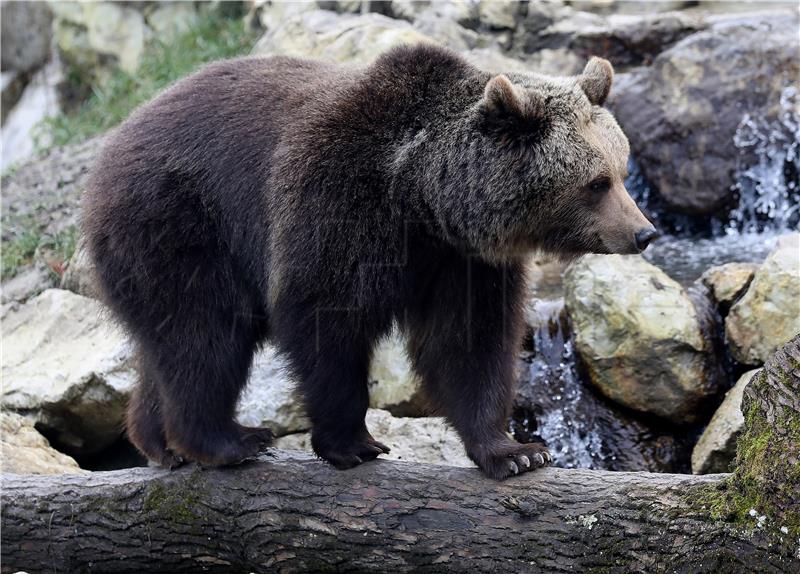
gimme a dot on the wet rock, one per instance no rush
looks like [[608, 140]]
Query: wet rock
[[716, 449], [26, 451], [68, 368], [269, 399], [728, 282], [392, 384], [681, 114], [768, 315], [25, 35], [412, 439], [346, 37], [639, 336], [582, 428]]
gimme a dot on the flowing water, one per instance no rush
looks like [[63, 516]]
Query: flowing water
[[554, 402]]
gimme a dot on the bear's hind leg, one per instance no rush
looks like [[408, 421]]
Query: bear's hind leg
[[144, 423], [200, 382]]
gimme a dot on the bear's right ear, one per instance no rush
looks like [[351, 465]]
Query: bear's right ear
[[501, 97], [596, 80]]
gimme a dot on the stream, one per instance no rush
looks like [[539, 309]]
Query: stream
[[555, 403]]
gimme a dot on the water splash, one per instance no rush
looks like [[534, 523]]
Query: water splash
[[767, 180], [552, 365], [768, 189]]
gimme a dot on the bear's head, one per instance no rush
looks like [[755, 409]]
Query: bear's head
[[537, 164]]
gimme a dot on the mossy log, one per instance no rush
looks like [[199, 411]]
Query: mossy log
[[288, 512]]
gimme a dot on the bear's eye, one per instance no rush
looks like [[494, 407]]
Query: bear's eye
[[600, 185]]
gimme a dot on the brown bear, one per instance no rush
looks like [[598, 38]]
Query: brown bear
[[315, 205]]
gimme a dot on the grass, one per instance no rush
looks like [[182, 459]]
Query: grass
[[214, 36], [19, 252]]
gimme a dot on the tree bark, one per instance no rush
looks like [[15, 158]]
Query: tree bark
[[291, 513]]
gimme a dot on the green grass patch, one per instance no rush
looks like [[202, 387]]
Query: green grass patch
[[214, 36], [19, 252]]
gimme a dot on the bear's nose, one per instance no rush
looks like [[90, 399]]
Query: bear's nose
[[643, 237]]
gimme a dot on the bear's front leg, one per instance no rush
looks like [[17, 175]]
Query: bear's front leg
[[464, 339]]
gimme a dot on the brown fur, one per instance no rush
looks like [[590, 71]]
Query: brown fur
[[314, 205]]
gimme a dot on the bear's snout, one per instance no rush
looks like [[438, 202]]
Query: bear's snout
[[643, 237]]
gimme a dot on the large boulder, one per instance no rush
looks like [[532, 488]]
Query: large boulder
[[640, 336], [26, 30], [716, 449], [340, 37], [411, 439], [625, 39], [581, 427], [768, 315], [68, 368], [682, 113], [25, 451]]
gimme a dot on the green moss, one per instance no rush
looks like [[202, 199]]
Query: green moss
[[766, 477], [174, 503], [216, 35]]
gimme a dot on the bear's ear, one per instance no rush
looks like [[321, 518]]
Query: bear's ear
[[596, 80], [500, 96]]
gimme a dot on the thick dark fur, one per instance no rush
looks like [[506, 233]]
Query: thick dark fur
[[314, 205]]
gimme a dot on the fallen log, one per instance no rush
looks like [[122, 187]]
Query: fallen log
[[288, 512]]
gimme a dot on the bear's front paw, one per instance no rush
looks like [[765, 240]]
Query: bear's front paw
[[509, 459]]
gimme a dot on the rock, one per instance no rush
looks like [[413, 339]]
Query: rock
[[11, 85], [581, 427], [768, 315], [449, 33], [79, 274], [412, 439], [392, 384], [67, 368], [500, 14], [346, 37], [643, 345], [728, 282], [116, 30], [270, 14], [39, 100], [716, 449], [168, 19], [25, 33], [681, 114], [25, 451], [27, 283], [46, 191], [269, 400], [628, 40]]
